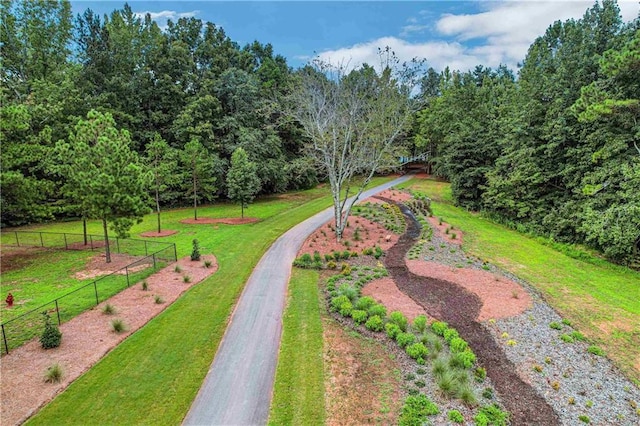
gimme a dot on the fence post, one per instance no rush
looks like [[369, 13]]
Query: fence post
[[58, 311], [91, 240], [146, 252], [126, 271], [41, 241], [17, 241], [95, 288], [175, 253], [66, 246], [154, 261], [4, 337], [118, 245]]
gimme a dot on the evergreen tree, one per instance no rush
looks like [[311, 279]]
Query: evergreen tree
[[242, 179]]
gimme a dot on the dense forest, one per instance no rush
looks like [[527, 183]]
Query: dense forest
[[552, 149]]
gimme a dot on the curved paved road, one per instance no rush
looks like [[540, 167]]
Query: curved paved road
[[238, 386]]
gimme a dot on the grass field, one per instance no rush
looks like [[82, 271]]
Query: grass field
[[153, 376], [601, 299], [298, 396]]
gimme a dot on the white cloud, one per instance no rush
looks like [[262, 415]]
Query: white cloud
[[412, 29], [439, 54], [167, 14]]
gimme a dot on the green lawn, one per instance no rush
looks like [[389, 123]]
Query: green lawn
[[600, 298], [298, 397], [153, 376]]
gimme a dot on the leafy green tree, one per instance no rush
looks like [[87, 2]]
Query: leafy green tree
[[200, 166], [105, 174], [161, 160], [242, 179]]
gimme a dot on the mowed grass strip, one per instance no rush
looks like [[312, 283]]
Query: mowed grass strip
[[298, 397], [601, 299], [154, 375]]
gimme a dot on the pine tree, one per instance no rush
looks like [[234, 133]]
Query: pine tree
[[242, 180]]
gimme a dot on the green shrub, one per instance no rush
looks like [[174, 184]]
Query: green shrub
[[584, 419], [186, 278], [118, 326], [593, 349], [359, 316], [457, 344], [464, 359], [455, 416], [416, 409], [480, 374], [51, 335], [447, 383], [450, 334], [327, 257], [54, 374], [378, 252], [421, 371], [374, 323], [365, 303], [331, 264], [405, 339], [346, 254], [367, 251], [336, 256], [304, 261], [345, 309], [354, 254], [578, 336], [177, 269], [349, 291], [336, 302], [207, 264], [439, 327], [195, 253], [417, 351], [378, 309], [392, 329], [487, 393], [317, 257], [145, 285], [491, 415], [108, 309], [567, 338], [399, 319], [555, 325], [421, 383], [420, 323]]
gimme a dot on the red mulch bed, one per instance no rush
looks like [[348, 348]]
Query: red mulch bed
[[441, 230], [86, 339], [386, 292], [224, 220], [154, 234]]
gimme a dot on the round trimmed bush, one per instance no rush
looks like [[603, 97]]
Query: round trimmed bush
[[405, 339], [439, 327], [450, 334], [399, 319], [458, 344], [337, 301], [420, 323], [345, 309], [417, 351], [359, 316], [364, 303], [374, 323], [378, 309], [392, 330]]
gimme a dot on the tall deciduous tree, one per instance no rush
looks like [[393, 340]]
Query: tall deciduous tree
[[162, 162], [200, 165], [243, 182], [353, 121], [106, 174]]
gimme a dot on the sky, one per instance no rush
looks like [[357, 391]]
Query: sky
[[458, 34]]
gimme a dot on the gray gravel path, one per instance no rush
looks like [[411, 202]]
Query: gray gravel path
[[238, 386]]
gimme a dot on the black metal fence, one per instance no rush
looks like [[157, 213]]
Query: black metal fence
[[152, 254]]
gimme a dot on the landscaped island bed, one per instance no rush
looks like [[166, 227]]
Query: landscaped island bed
[[538, 367]]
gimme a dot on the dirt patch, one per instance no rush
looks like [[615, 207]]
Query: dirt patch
[[385, 291], [450, 302], [441, 229], [371, 234], [86, 339], [500, 296], [14, 258], [360, 384], [394, 195], [224, 220], [154, 234], [98, 266]]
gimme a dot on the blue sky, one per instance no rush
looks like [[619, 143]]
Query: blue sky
[[460, 34]]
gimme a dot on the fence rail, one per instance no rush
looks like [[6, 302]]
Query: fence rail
[[153, 254]]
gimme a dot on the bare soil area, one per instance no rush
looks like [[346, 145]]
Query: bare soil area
[[87, 338], [97, 265], [361, 386], [13, 258], [500, 297], [223, 220], [155, 234]]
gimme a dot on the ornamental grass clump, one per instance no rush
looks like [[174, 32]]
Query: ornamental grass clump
[[54, 374], [118, 326], [108, 309]]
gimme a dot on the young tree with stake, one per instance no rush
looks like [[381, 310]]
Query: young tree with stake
[[242, 179]]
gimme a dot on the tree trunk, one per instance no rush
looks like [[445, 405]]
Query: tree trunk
[[158, 207], [195, 198], [84, 230], [242, 210], [107, 249]]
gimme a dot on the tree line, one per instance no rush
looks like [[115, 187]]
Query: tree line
[[555, 152], [187, 96]]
